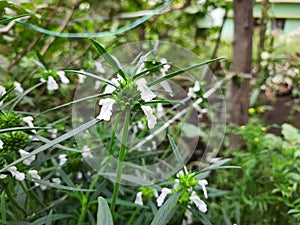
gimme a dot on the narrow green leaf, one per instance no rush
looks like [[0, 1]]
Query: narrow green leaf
[[162, 215], [7, 93], [54, 217], [22, 128], [91, 75], [49, 219], [176, 151], [54, 142], [178, 72], [109, 59], [154, 68], [13, 18], [3, 208], [104, 216], [73, 102], [42, 60]]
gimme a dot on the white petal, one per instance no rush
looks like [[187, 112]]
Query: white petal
[[63, 77], [203, 184], [139, 199], [29, 160], [34, 174], [99, 67], [1, 144], [150, 117], [16, 174], [28, 120], [81, 78], [2, 90], [62, 159], [160, 110], [161, 198], [3, 176], [109, 88], [189, 216], [146, 94], [51, 84], [56, 180], [198, 202], [97, 85], [18, 87], [86, 152], [106, 109]]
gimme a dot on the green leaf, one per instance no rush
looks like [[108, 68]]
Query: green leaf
[[109, 59], [290, 133], [22, 128], [163, 213], [7, 93], [176, 151], [42, 60], [54, 142], [178, 72], [49, 220], [3, 208], [54, 217], [91, 75], [104, 216], [13, 18], [154, 68]]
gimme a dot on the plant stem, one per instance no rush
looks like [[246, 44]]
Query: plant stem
[[83, 210], [121, 158]]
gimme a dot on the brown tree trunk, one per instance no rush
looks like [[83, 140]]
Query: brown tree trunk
[[241, 65]]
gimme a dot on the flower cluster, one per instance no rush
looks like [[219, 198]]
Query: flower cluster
[[127, 93], [49, 77], [187, 185]]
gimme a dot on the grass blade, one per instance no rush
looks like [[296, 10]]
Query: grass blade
[[176, 151], [109, 59], [178, 72], [13, 18]]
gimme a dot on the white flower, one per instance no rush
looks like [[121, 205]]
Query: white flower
[[160, 110], [198, 202], [16, 174], [97, 85], [110, 88], [150, 117], [161, 198], [106, 109], [56, 180], [28, 120], [29, 160], [79, 175], [193, 90], [203, 184], [81, 78], [99, 67], [62, 159], [51, 84], [2, 92], [265, 55], [166, 67], [86, 152], [34, 174], [140, 125], [63, 77], [1, 144], [146, 94], [18, 87], [139, 200], [189, 216], [3, 176]]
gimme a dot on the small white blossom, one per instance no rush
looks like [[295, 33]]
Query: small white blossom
[[99, 67], [166, 67], [161, 198], [29, 160], [51, 84], [3, 176], [2, 92], [81, 78], [203, 184], [198, 202], [110, 88], [146, 94], [79, 175], [140, 125], [150, 117], [62, 159], [189, 216], [265, 55], [86, 152], [18, 87], [63, 77], [139, 199], [193, 90], [56, 180], [97, 85], [106, 109], [28, 120], [1, 144], [160, 110], [16, 174], [34, 174]]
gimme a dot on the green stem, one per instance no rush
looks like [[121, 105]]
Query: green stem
[[113, 134], [83, 210], [121, 158]]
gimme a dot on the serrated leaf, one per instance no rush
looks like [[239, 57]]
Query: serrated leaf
[[104, 216]]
